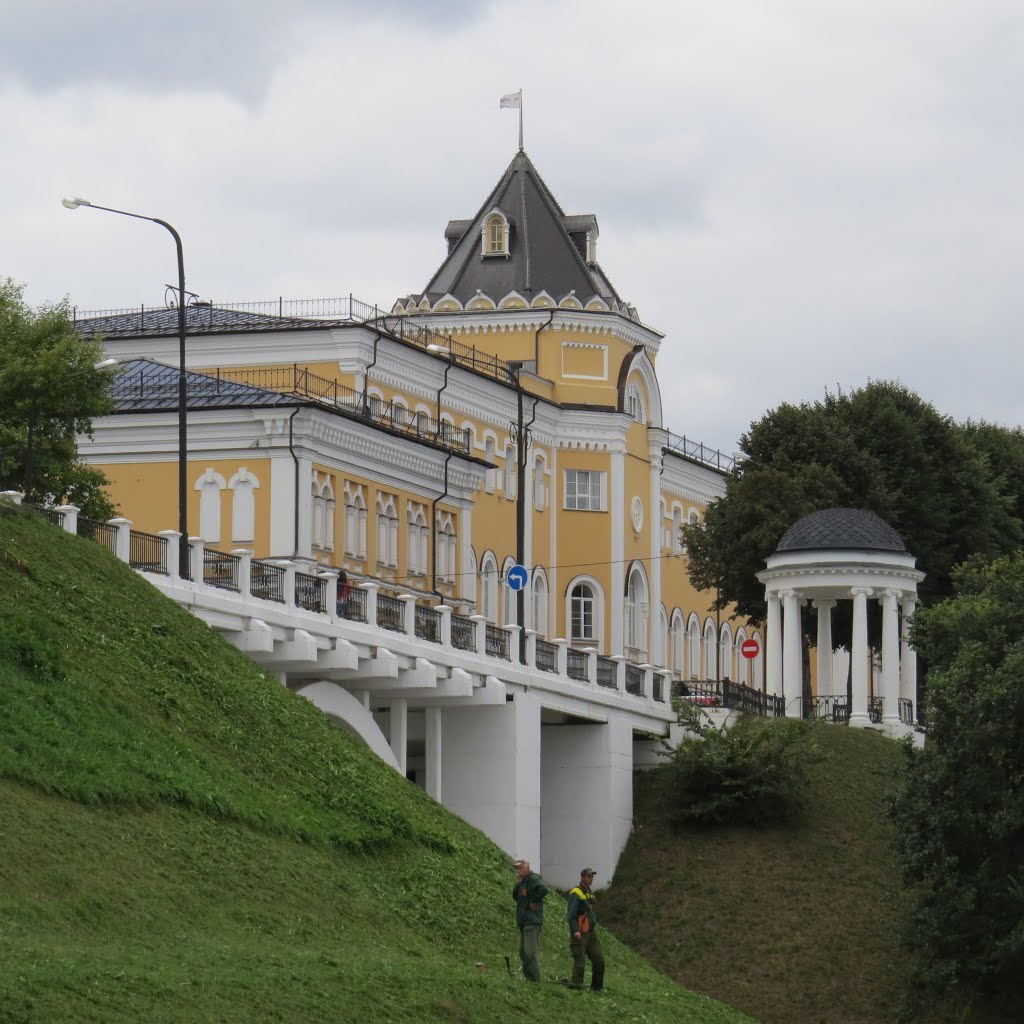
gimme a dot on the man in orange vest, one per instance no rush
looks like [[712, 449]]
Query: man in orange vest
[[583, 940]]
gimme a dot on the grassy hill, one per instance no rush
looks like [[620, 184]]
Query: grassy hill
[[182, 839], [796, 924]]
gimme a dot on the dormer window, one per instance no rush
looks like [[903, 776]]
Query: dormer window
[[495, 234]]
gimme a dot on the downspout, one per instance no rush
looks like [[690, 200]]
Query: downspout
[[536, 340], [295, 462], [433, 529], [444, 493], [366, 373]]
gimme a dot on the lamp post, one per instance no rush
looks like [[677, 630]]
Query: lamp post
[[72, 203], [522, 431], [33, 414]]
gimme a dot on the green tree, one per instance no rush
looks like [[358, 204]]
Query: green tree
[[880, 447], [48, 380], [959, 818]]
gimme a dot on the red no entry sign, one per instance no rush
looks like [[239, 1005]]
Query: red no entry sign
[[750, 648]]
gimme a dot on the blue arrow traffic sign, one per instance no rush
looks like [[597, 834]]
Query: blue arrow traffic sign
[[517, 577]]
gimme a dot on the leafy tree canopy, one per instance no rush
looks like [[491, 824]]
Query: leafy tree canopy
[[48, 379], [880, 447], [959, 819]]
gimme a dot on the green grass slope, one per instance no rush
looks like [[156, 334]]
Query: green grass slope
[[182, 839], [795, 924]]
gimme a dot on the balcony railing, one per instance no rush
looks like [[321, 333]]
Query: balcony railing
[[310, 592], [103, 533], [390, 613], [577, 665], [220, 569], [353, 606], [906, 706], [463, 633], [267, 581], [723, 693], [547, 656], [606, 672], [428, 624], [875, 707], [634, 679], [147, 552], [497, 642]]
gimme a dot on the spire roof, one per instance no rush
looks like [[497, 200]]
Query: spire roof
[[547, 249]]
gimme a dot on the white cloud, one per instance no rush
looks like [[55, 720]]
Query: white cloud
[[797, 194]]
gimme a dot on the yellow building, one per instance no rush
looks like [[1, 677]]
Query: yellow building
[[509, 412]]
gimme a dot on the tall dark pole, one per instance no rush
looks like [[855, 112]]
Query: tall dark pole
[[520, 512], [72, 203]]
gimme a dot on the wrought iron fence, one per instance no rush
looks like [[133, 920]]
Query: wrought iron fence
[[906, 706], [634, 679], [390, 613], [220, 569], [577, 666], [547, 656], [267, 581], [297, 380], [875, 708], [310, 592], [606, 672], [659, 688], [832, 708], [103, 533], [497, 642], [463, 633], [723, 693], [700, 452], [147, 551], [353, 605], [428, 624]]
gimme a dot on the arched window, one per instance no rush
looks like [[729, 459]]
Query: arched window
[[725, 668], [634, 404], [446, 547], [489, 449], [693, 648], [540, 602], [636, 613], [678, 637], [495, 234], [209, 486], [539, 484], [416, 525], [243, 506], [677, 529], [387, 531], [661, 656], [355, 521], [710, 651], [582, 613], [511, 471], [489, 588]]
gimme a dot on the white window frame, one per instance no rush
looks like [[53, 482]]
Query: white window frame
[[594, 495]]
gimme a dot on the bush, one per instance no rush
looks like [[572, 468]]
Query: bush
[[752, 773]]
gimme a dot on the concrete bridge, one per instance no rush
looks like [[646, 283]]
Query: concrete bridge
[[534, 743]]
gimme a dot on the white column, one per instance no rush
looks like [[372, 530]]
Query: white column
[[859, 657], [890, 658], [824, 652], [908, 656], [792, 661], [173, 550], [773, 679], [433, 751], [398, 732]]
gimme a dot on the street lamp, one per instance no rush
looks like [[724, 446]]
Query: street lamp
[[72, 203], [33, 415]]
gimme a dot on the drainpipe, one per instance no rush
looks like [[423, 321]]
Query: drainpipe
[[295, 462], [369, 366], [536, 340], [433, 529]]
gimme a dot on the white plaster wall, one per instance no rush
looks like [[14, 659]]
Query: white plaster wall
[[587, 799], [491, 772]]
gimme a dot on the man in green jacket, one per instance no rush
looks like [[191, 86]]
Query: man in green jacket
[[583, 940], [529, 892]]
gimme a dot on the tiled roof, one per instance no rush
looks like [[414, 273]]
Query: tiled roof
[[143, 385], [841, 529], [161, 321], [542, 256]]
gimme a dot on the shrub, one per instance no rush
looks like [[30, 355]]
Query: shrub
[[751, 773]]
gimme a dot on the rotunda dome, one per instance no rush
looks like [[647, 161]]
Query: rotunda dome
[[841, 529]]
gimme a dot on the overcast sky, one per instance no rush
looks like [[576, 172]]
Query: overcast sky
[[800, 195]]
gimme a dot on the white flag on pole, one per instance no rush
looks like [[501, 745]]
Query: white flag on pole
[[512, 99]]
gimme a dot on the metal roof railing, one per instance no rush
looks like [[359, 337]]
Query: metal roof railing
[[697, 451]]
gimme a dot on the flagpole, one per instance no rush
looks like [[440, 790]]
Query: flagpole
[[520, 120]]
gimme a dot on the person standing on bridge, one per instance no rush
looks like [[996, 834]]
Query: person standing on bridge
[[529, 892], [583, 941]]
